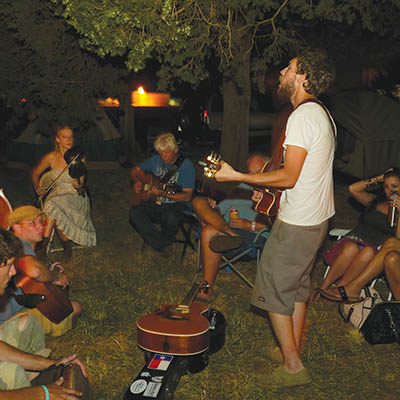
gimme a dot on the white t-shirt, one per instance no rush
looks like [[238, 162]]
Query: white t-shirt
[[310, 201]]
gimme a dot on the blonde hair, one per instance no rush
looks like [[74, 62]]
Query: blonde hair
[[165, 142], [60, 128]]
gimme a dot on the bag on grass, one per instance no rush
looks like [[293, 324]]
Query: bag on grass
[[357, 313], [377, 320], [383, 323]]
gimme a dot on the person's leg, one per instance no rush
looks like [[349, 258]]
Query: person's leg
[[209, 260], [142, 218], [347, 254], [298, 318], [360, 262], [283, 326], [392, 272], [210, 216], [373, 269], [170, 217], [77, 307]]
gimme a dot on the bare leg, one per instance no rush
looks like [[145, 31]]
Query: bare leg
[[77, 307], [210, 216], [209, 259], [288, 330], [392, 272], [298, 318], [61, 235], [49, 226], [358, 265], [374, 268], [347, 254]]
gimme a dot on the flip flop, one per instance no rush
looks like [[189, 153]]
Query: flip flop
[[221, 243], [343, 298]]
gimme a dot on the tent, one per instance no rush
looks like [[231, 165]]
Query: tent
[[368, 132], [102, 142]]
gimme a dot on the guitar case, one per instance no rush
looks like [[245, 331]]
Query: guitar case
[[161, 373]]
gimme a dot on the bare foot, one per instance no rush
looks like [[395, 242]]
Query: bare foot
[[206, 297]]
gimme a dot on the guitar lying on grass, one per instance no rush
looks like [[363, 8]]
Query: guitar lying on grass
[[177, 339], [178, 329], [148, 182], [268, 204]]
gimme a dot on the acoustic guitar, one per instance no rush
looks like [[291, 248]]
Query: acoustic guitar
[[178, 329], [56, 305], [267, 205], [149, 181]]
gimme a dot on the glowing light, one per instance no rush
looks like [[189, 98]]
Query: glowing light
[[140, 90]]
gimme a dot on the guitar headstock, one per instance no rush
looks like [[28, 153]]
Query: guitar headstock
[[211, 164]]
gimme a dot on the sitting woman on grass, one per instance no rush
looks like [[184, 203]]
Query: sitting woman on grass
[[387, 260], [349, 257]]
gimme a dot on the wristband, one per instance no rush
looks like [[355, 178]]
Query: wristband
[[253, 226], [46, 391]]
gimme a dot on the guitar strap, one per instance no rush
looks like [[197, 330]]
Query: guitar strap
[[166, 178], [314, 100]]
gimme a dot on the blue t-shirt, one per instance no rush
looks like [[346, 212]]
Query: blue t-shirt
[[184, 176], [8, 305], [243, 206]]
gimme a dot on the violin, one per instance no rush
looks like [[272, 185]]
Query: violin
[[76, 167]]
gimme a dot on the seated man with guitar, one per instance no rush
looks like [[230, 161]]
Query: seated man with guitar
[[237, 229], [162, 185], [56, 311], [22, 344]]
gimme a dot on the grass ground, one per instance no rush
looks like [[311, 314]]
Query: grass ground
[[117, 283]]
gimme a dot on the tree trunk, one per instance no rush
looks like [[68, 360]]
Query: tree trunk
[[235, 124], [127, 123]]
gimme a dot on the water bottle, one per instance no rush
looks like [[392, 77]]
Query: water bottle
[[392, 212]]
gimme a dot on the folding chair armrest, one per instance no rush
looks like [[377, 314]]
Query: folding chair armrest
[[338, 232], [259, 233]]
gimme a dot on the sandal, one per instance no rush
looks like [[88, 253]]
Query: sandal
[[343, 298]]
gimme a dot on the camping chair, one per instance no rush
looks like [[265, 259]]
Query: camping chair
[[188, 224], [339, 233], [251, 252]]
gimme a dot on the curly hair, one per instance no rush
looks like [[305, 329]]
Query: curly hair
[[10, 246], [316, 66]]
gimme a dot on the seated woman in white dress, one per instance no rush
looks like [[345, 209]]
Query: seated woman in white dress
[[67, 206]]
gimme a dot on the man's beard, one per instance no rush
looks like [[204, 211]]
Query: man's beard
[[286, 90]]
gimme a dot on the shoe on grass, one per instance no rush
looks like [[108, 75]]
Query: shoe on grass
[[275, 354], [280, 378], [221, 243]]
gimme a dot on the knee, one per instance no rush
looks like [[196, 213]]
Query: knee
[[77, 307], [368, 252], [207, 232], [392, 261], [350, 247], [391, 243], [172, 218]]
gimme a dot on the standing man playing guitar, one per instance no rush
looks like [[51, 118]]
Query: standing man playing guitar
[[27, 225], [282, 284], [151, 179]]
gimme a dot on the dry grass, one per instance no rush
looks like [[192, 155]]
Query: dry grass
[[118, 283]]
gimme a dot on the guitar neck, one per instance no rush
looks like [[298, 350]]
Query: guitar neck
[[188, 300]]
